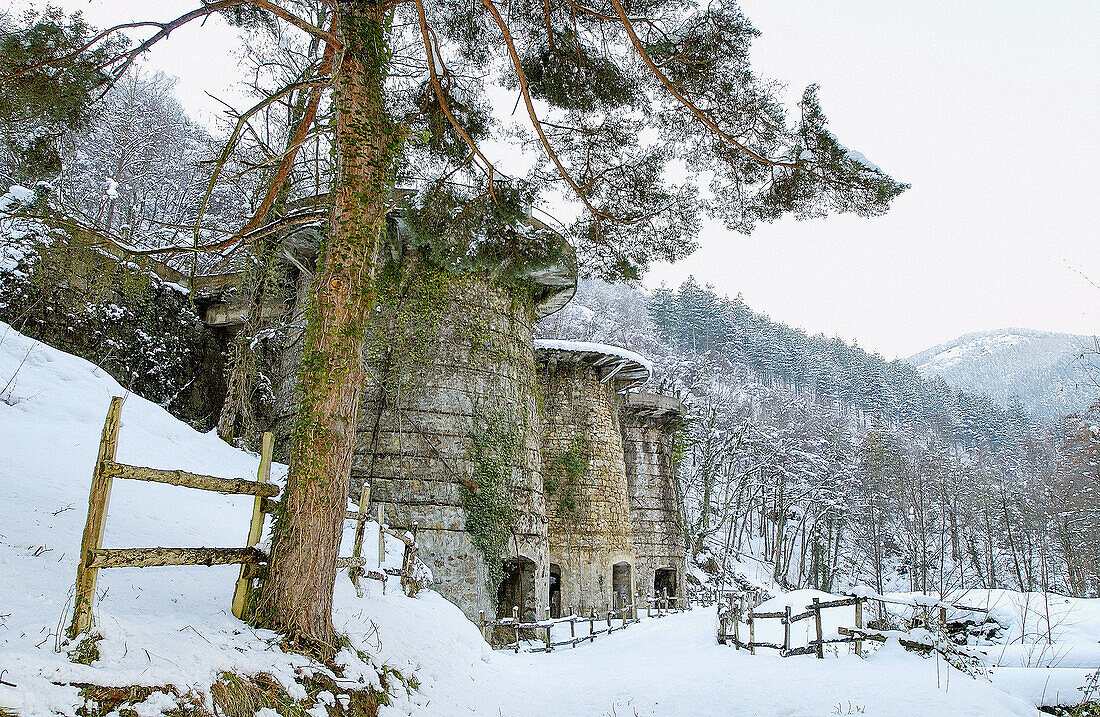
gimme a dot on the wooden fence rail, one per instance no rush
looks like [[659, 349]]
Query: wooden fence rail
[[252, 560], [615, 619], [729, 616]]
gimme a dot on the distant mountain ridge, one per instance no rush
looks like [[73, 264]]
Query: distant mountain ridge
[[1043, 368]]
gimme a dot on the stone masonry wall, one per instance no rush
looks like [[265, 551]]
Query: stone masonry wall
[[473, 370], [590, 528], [654, 496]]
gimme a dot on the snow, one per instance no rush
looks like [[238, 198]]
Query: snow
[[173, 625], [587, 346], [159, 625], [859, 158], [15, 195]]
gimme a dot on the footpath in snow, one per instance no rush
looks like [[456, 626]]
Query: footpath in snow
[[173, 625]]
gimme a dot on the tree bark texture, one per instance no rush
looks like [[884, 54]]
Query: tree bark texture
[[297, 597]]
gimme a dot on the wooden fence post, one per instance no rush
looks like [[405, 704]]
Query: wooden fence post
[[648, 606], [549, 646], [817, 625], [607, 608], [736, 625], [515, 624], [408, 562], [591, 623], [481, 623], [859, 626], [752, 635], [572, 626], [360, 529], [786, 631], [255, 528], [381, 538], [99, 498]]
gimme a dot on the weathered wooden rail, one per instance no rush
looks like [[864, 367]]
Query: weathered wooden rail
[[730, 616], [610, 620], [253, 561], [624, 617]]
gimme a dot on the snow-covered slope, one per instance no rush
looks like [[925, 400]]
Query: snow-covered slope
[[172, 626], [1044, 369]]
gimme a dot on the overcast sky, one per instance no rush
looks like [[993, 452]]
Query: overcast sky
[[989, 108]]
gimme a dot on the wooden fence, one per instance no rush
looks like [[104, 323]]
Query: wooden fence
[[615, 619], [730, 616], [253, 561], [624, 616]]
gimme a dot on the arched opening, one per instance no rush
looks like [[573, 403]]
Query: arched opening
[[620, 583], [555, 590], [517, 589], [664, 582]]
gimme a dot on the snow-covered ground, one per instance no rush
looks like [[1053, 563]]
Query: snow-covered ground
[[173, 625]]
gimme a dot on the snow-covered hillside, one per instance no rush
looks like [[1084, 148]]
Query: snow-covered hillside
[[1044, 369], [172, 626]]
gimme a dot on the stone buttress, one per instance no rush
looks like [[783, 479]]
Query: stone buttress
[[649, 422], [449, 433], [587, 495]]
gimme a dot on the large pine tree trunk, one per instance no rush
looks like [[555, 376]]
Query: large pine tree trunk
[[297, 595]]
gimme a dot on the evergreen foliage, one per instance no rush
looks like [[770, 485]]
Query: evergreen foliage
[[40, 102], [695, 318]]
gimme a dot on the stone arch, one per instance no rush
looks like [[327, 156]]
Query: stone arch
[[622, 583], [665, 581], [517, 589], [555, 590]]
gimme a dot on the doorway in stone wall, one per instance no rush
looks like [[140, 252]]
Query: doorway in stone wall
[[517, 589], [620, 583], [555, 590], [664, 582]]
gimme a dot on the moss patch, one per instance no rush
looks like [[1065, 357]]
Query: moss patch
[[1085, 709], [86, 650], [100, 701], [235, 695], [143, 332]]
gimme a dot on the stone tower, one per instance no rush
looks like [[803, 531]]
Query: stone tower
[[449, 430], [587, 495], [649, 423]]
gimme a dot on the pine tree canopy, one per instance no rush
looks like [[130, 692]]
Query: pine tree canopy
[[41, 99], [640, 117]]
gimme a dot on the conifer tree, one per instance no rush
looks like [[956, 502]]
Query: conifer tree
[[613, 93]]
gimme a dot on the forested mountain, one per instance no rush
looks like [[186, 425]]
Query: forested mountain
[[838, 467], [1046, 371]]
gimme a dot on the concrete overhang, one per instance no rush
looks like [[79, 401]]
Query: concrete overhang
[[612, 363]]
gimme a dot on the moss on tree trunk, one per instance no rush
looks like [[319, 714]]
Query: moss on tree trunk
[[297, 596]]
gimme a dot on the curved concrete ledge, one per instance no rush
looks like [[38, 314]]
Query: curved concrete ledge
[[613, 363], [654, 405]]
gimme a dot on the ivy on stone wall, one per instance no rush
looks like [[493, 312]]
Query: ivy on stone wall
[[495, 445], [563, 475], [411, 300]]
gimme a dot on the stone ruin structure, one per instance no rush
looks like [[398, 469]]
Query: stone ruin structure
[[584, 472], [650, 423], [535, 479], [449, 436]]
